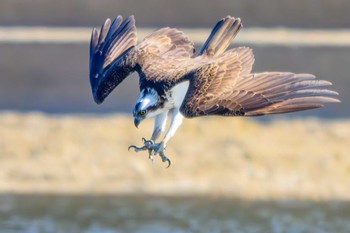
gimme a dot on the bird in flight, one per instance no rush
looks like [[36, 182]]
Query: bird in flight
[[172, 79]]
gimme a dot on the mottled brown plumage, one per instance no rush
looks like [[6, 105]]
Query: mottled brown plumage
[[215, 82], [114, 54], [221, 82]]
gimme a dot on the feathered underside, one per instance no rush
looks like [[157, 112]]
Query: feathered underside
[[114, 53], [110, 60], [264, 93], [226, 87], [221, 82]]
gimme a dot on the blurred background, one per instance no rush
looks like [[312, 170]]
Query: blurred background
[[64, 164]]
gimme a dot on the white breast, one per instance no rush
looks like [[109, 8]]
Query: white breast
[[178, 93], [175, 97]]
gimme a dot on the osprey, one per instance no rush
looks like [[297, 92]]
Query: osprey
[[216, 81]]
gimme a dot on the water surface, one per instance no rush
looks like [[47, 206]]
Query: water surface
[[156, 214]]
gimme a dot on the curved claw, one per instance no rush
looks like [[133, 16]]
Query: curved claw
[[147, 146], [165, 158], [136, 148], [132, 146], [153, 149], [169, 162]]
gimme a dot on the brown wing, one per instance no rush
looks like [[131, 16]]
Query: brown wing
[[273, 92], [114, 54], [213, 78], [232, 91], [167, 52], [221, 36], [161, 52]]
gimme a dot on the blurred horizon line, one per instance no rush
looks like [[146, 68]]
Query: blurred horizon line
[[279, 36]]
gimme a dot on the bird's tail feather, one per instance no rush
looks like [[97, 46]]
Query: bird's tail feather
[[221, 36]]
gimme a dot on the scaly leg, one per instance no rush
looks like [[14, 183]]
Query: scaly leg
[[159, 126], [176, 121], [158, 148]]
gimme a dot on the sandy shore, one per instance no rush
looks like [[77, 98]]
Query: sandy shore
[[238, 157]]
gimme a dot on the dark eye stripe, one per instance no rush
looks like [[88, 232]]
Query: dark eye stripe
[[137, 107]]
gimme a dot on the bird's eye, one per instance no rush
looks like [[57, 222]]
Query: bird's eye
[[143, 112]]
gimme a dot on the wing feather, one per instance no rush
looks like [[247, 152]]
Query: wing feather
[[93, 44], [104, 30], [221, 36], [110, 55], [166, 42], [122, 37], [115, 26], [162, 55], [114, 54], [221, 83], [265, 93], [215, 78]]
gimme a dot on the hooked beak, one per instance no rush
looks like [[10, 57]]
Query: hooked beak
[[137, 121]]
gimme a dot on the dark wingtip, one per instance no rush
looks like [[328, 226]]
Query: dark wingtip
[[96, 93], [104, 52], [97, 100]]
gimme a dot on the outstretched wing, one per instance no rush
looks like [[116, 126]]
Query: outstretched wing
[[169, 61], [161, 55], [214, 77], [114, 54], [273, 92], [221, 36], [226, 87], [111, 58], [222, 83]]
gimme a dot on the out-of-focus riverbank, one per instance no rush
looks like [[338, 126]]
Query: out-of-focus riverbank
[[268, 13], [61, 85], [236, 157]]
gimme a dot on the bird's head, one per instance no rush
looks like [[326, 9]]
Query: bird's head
[[147, 105]]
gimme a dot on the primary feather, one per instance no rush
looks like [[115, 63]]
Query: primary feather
[[220, 80], [216, 82]]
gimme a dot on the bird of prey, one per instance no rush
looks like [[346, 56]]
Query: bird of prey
[[172, 79]]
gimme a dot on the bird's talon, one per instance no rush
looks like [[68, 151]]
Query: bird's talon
[[153, 150], [147, 142], [132, 146], [137, 148], [169, 162], [165, 159]]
